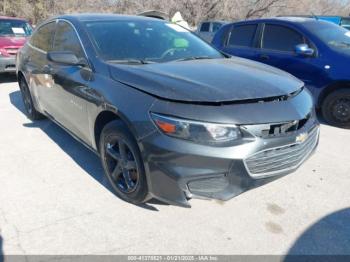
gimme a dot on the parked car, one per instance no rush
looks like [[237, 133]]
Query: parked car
[[317, 52], [339, 20], [206, 30], [172, 120], [13, 34]]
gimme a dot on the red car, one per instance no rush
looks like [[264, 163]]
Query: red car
[[14, 32]]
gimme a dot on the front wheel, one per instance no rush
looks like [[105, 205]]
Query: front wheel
[[122, 163], [336, 108]]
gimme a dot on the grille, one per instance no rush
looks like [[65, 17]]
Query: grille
[[208, 185], [277, 160], [276, 129]]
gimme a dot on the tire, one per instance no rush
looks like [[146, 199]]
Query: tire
[[336, 108], [122, 163], [30, 110]]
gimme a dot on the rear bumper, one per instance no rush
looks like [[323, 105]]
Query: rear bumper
[[7, 64], [178, 170]]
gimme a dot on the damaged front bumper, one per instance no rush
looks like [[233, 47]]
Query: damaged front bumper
[[179, 172]]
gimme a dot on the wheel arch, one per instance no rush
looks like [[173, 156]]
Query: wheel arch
[[102, 119], [330, 89]]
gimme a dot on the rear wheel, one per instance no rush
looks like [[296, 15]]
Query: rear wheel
[[122, 163], [336, 108], [31, 112]]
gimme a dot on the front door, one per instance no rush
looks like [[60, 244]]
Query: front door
[[70, 84], [278, 45]]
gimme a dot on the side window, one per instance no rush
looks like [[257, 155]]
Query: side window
[[205, 27], [345, 22], [242, 35], [66, 39], [42, 38], [281, 38]]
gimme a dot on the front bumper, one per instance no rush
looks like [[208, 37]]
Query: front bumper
[[178, 170], [7, 64]]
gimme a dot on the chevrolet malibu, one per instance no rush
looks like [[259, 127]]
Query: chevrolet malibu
[[171, 117]]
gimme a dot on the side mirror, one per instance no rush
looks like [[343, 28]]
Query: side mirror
[[65, 58], [304, 50]]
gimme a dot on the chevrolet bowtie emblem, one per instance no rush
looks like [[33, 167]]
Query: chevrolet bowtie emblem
[[301, 138]]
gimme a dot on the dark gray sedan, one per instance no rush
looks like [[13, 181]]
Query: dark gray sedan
[[171, 117]]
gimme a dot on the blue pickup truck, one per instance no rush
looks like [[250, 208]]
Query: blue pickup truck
[[317, 52]]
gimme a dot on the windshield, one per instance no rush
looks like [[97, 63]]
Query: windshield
[[15, 28], [331, 34], [147, 41]]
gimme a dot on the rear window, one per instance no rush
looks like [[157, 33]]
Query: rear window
[[242, 35], [205, 27], [281, 38], [216, 26], [10, 27]]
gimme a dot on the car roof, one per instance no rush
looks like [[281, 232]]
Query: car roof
[[85, 17], [12, 18], [295, 21], [292, 19]]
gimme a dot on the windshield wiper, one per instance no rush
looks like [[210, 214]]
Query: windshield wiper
[[193, 58], [131, 61]]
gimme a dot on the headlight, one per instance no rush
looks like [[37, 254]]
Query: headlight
[[199, 132]]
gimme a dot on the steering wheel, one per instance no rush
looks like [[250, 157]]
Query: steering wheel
[[168, 52]]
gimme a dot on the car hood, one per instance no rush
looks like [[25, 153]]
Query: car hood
[[6, 41], [210, 80]]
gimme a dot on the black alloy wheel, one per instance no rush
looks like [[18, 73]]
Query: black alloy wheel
[[336, 108], [122, 163]]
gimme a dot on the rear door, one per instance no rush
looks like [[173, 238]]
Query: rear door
[[278, 43], [241, 40], [70, 84], [39, 75]]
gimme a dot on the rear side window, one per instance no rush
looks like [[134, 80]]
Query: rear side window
[[42, 38], [242, 35], [205, 27], [66, 39], [281, 38]]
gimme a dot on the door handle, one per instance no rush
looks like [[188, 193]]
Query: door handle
[[47, 69], [265, 57]]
